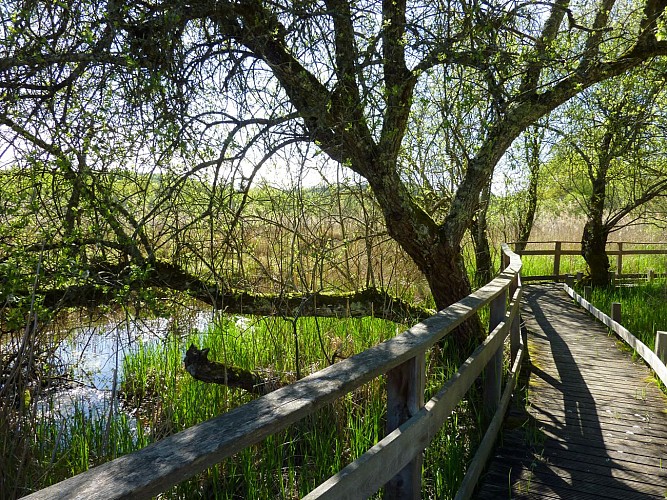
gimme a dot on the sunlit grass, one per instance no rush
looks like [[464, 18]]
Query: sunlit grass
[[643, 307], [543, 265], [163, 399]]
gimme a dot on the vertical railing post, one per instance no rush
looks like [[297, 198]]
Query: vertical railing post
[[661, 345], [557, 250], [493, 373], [587, 292], [616, 311], [650, 275], [405, 397], [515, 327], [569, 280], [619, 259], [505, 260]]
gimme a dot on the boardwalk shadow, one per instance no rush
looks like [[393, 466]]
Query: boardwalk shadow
[[570, 421]]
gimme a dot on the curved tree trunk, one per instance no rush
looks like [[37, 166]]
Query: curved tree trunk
[[527, 219], [480, 240], [594, 237], [593, 249]]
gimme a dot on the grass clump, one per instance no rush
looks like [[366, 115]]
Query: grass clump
[[159, 398], [290, 463], [643, 306]]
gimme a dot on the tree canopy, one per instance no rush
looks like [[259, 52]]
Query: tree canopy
[[218, 88]]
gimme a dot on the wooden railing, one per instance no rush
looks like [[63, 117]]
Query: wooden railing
[[394, 462], [652, 359], [614, 248]]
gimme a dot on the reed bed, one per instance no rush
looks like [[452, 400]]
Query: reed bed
[[159, 398], [643, 306]]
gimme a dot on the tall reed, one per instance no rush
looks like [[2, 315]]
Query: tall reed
[[160, 398], [643, 306]]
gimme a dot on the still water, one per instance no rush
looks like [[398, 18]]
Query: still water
[[93, 356]]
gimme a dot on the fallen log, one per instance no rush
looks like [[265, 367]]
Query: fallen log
[[105, 281], [201, 368]]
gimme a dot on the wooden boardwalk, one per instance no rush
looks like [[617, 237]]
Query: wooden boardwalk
[[595, 425]]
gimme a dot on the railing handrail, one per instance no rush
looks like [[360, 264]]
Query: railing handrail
[[568, 242], [628, 337], [163, 464], [557, 251]]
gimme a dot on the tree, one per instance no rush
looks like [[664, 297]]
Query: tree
[[250, 77], [612, 139], [533, 139]]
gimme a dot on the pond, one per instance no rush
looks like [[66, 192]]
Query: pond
[[92, 357]]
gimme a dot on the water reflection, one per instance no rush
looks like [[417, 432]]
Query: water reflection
[[94, 357]]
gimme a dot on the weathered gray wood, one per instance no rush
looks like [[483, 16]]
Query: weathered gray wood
[[515, 327], [641, 348], [557, 254], [481, 457], [568, 251], [587, 292], [543, 277], [157, 467], [661, 345], [643, 275], [650, 276], [493, 373], [405, 397], [550, 251], [368, 473], [616, 311], [592, 433], [557, 250], [638, 251], [569, 280]]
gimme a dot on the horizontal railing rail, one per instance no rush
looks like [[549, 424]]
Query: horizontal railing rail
[[558, 249], [639, 347], [394, 462]]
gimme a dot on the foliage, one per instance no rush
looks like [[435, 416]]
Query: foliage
[[643, 310], [219, 91], [163, 399]]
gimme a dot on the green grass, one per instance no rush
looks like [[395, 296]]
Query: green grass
[[543, 265], [164, 399], [643, 307]]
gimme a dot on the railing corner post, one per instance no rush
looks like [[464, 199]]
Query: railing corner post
[[557, 250], [505, 261]]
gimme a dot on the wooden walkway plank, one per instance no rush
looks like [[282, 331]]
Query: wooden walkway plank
[[594, 424]]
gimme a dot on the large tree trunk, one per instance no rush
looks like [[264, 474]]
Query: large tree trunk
[[593, 249], [480, 240], [594, 237], [527, 218], [436, 255]]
